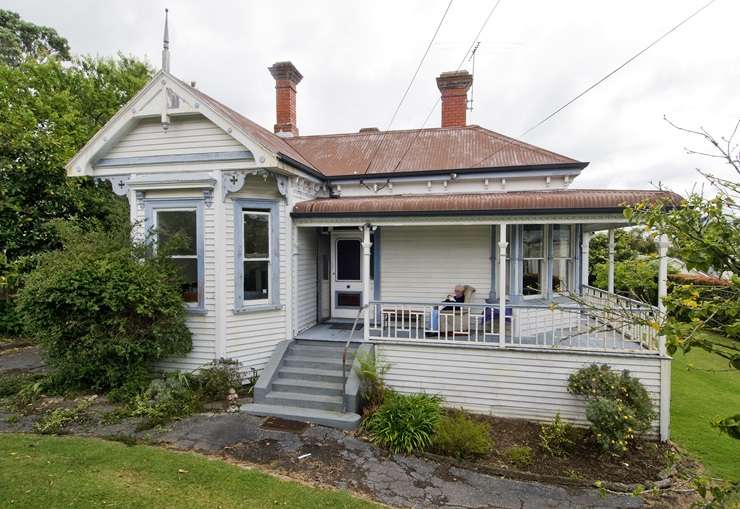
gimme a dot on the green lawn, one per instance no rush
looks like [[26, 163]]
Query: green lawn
[[55, 472], [696, 397]]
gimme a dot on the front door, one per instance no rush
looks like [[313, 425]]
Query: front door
[[346, 275]]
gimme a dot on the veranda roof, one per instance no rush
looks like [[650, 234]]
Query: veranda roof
[[513, 202]]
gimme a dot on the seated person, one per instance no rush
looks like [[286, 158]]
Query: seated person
[[457, 296]]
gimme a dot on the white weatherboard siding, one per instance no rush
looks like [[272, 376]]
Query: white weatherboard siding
[[305, 271], [186, 135], [252, 336], [507, 382], [425, 263], [202, 327]]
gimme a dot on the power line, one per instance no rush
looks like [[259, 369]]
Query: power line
[[418, 67], [627, 62], [462, 61], [413, 78], [465, 56]]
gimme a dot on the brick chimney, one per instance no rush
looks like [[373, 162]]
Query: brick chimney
[[454, 87], [286, 78]]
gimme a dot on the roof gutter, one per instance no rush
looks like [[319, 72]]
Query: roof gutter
[[300, 166], [486, 212]]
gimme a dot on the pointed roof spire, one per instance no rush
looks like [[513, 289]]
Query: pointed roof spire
[[166, 46]]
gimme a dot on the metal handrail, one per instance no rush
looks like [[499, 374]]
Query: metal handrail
[[344, 354]]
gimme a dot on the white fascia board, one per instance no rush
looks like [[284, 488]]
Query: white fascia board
[[158, 181], [140, 106], [470, 175]]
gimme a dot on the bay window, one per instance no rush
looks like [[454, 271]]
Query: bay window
[[178, 224], [562, 258], [533, 260], [256, 255]]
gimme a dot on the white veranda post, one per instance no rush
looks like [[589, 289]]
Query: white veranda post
[[610, 283], [585, 248], [502, 284], [366, 245]]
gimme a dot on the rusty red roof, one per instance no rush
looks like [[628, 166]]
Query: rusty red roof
[[451, 148], [583, 200]]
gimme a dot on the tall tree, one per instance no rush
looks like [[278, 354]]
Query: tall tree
[[50, 105], [21, 40]]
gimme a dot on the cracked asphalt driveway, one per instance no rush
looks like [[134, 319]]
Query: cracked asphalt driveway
[[332, 457]]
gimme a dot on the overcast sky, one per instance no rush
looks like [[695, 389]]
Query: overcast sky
[[358, 57]]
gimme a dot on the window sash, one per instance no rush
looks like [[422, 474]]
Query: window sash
[[153, 217], [268, 259]]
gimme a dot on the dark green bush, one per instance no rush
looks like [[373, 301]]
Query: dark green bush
[[405, 423], [556, 437], [213, 381], [619, 408], [461, 436], [12, 383], [521, 456], [104, 308]]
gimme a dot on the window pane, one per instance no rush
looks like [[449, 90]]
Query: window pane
[[256, 280], [561, 241], [171, 222], [189, 270], [532, 279], [256, 235], [348, 260], [349, 299], [561, 275], [533, 241]]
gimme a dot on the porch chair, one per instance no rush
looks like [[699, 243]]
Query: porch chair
[[456, 319]]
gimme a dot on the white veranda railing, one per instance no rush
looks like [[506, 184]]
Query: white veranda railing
[[569, 324]]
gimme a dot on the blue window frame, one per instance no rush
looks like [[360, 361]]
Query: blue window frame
[[167, 217], [256, 255]]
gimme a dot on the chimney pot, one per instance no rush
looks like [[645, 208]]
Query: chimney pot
[[369, 130], [287, 78], [454, 87]]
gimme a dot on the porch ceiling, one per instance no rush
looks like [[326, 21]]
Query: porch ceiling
[[509, 203]]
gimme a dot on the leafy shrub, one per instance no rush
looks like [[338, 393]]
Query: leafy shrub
[[612, 423], [521, 456], [405, 423], [372, 382], [214, 381], [12, 383], [165, 400], [635, 278], [56, 421], [252, 379], [460, 436], [104, 308], [556, 438], [619, 408]]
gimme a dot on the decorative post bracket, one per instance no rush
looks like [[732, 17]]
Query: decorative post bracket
[[233, 181]]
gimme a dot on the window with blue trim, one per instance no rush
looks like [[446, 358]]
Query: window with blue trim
[[181, 220], [256, 254]]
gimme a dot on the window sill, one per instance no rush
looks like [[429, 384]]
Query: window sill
[[192, 310], [257, 308]]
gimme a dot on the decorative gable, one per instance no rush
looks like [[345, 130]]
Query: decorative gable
[[167, 123]]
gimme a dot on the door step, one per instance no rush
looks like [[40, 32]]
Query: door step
[[338, 420]]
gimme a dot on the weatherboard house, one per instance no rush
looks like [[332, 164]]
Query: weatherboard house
[[310, 251]]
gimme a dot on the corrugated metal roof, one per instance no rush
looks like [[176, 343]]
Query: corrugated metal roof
[[452, 148], [493, 203]]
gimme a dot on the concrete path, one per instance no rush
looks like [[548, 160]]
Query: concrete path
[[345, 462]]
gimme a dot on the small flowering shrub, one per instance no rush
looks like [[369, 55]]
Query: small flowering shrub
[[556, 437], [619, 408]]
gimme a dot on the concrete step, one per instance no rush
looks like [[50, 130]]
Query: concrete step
[[308, 374], [323, 417], [302, 400], [300, 361], [325, 352], [308, 386]]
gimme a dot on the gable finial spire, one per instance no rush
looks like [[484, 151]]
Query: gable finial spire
[[166, 46]]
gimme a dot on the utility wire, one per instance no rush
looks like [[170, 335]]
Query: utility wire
[[609, 75], [465, 56], [462, 61], [418, 67], [413, 78]]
